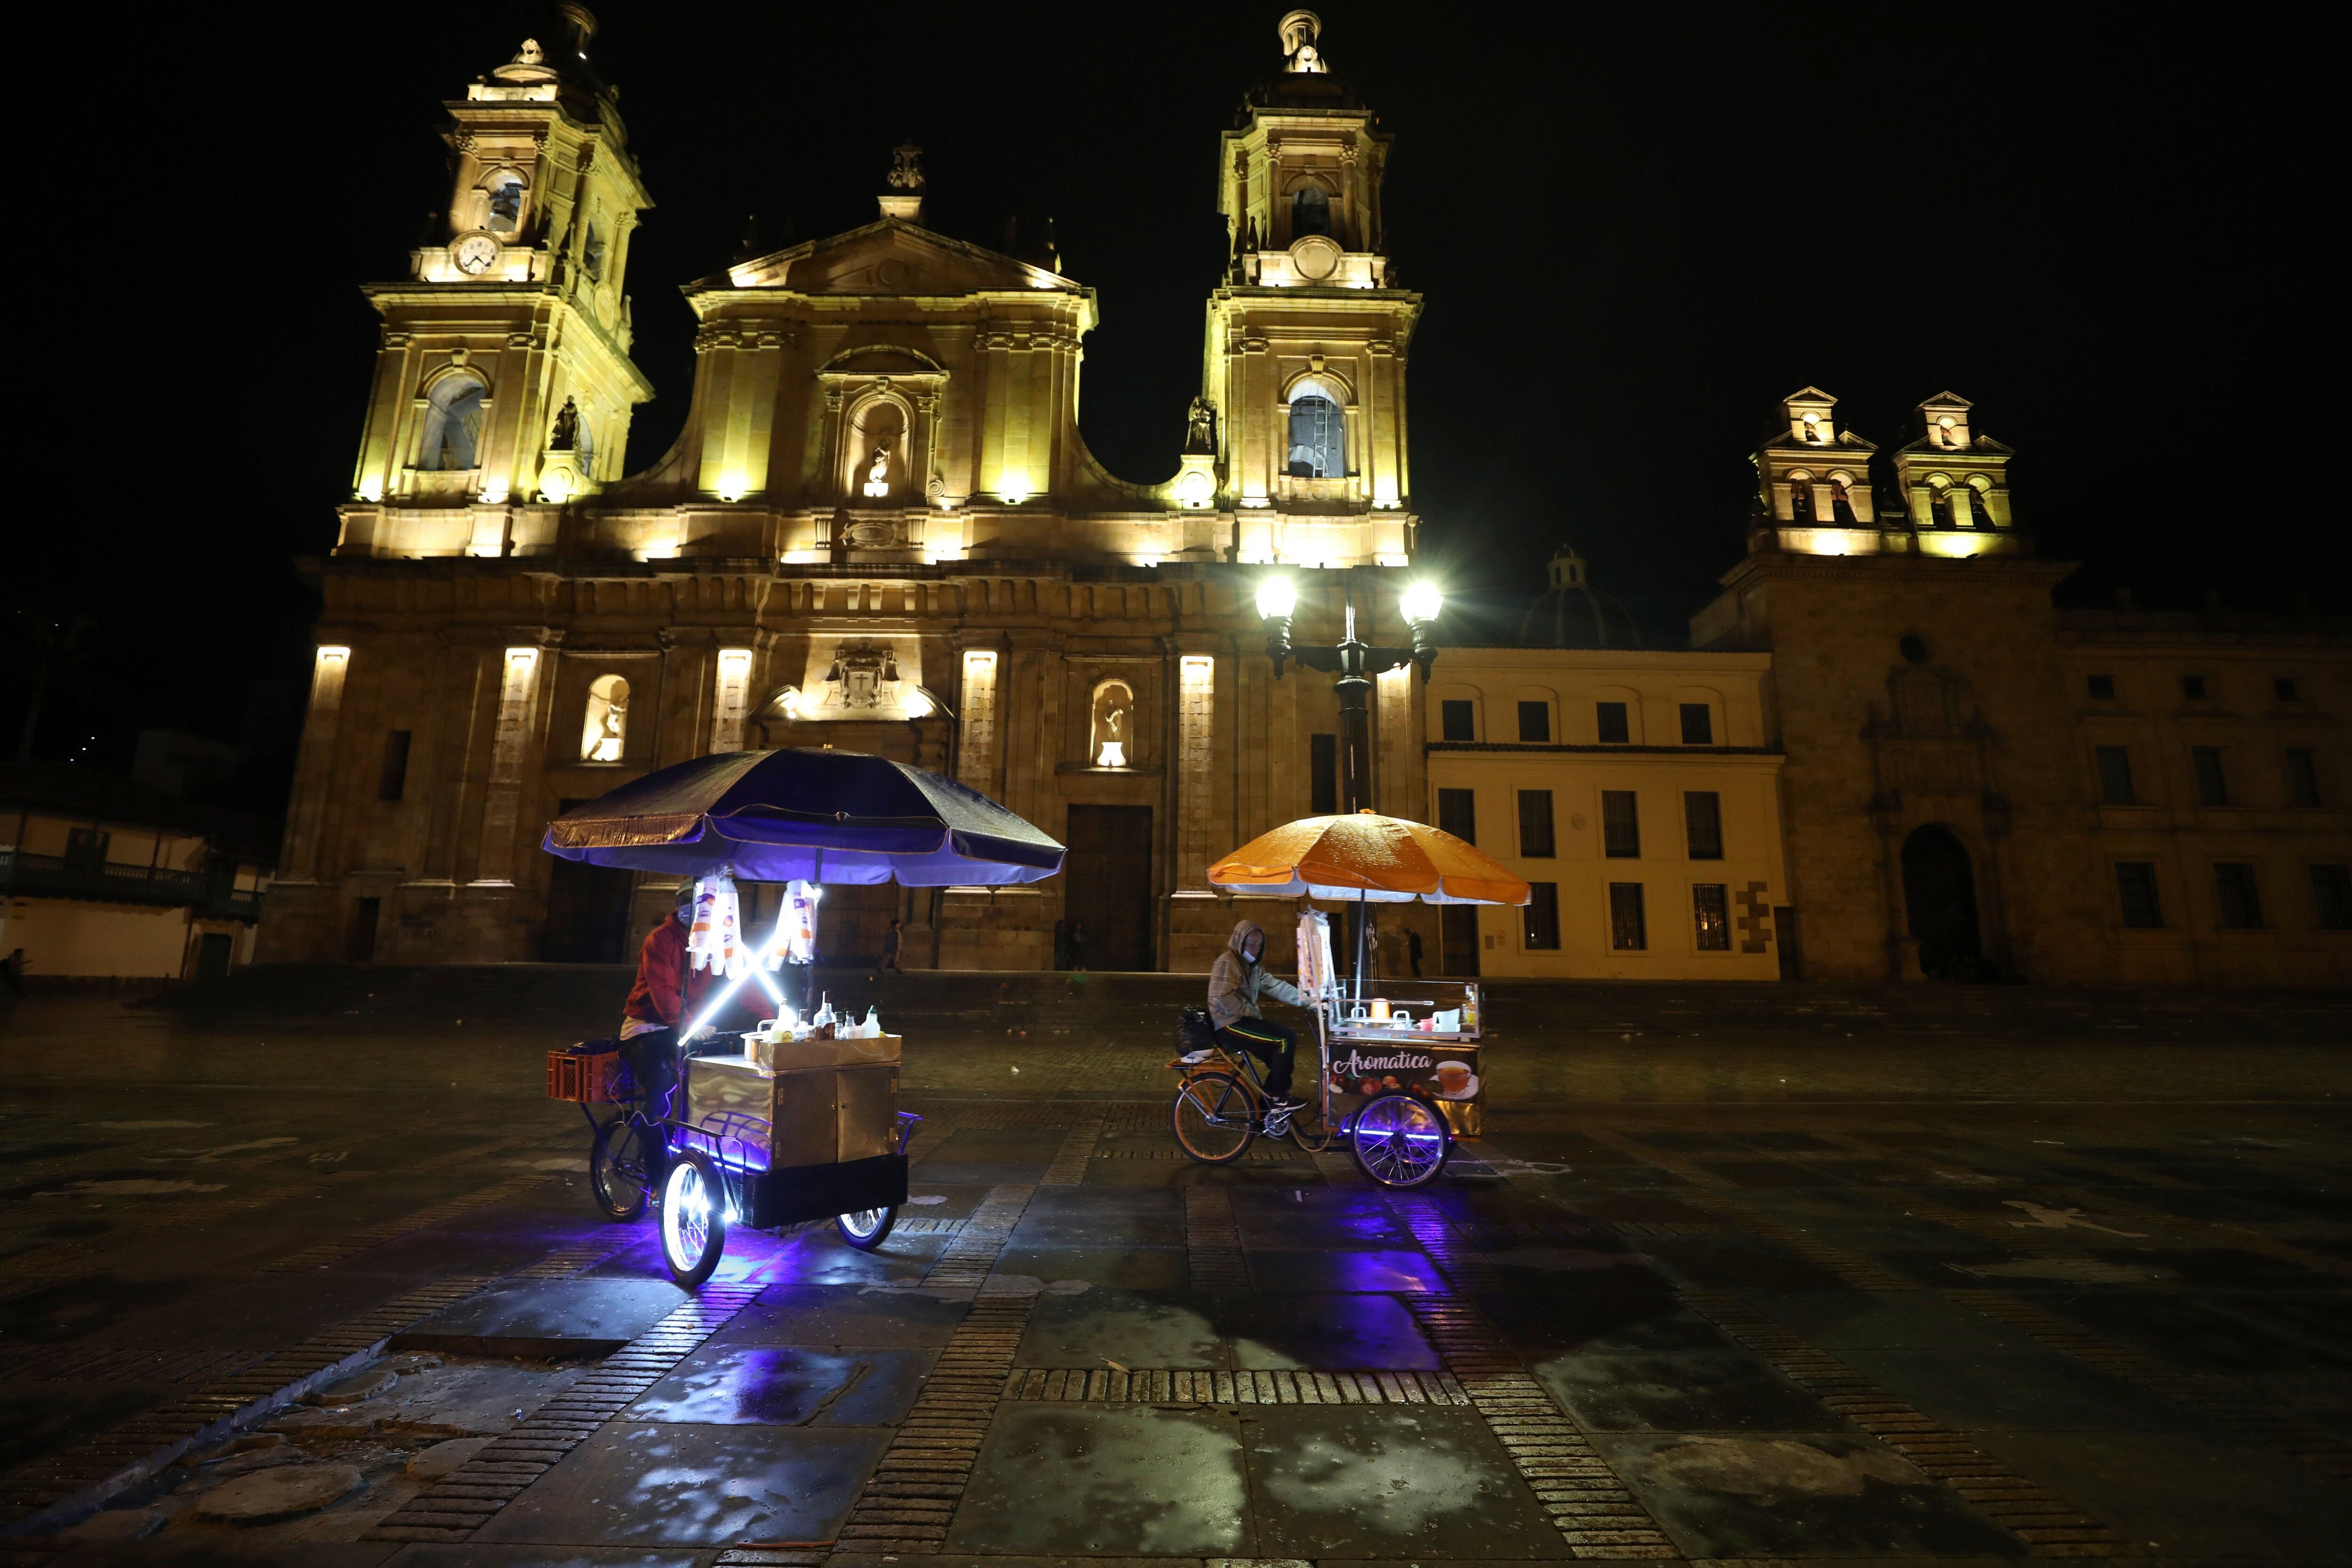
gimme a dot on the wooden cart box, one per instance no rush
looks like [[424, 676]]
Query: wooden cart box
[[825, 1103]]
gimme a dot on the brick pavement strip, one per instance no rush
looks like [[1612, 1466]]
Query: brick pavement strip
[[52, 1489], [1138, 1386], [967, 1260], [1212, 1240], [2230, 1407], [455, 1506], [1069, 1166], [2047, 1524], [1597, 1516]]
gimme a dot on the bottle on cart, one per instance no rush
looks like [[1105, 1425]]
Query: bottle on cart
[[822, 1026], [1469, 1009], [872, 1028]]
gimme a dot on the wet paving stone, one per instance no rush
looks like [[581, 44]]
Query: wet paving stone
[[1128, 1268], [1134, 1329], [846, 1316], [1624, 1313], [1096, 1479], [2186, 1496], [637, 1483], [1796, 1494], [1691, 1390], [1735, 1263], [2030, 1389], [1379, 1482], [786, 1387], [1891, 1320], [1324, 1271], [546, 1318], [1335, 1332]]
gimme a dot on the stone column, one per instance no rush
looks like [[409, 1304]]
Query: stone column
[[975, 766], [509, 745], [1196, 695], [729, 699], [313, 774]]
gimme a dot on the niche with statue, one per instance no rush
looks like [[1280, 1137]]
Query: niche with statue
[[1111, 736]]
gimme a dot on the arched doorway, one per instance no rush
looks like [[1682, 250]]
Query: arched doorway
[[1939, 894]]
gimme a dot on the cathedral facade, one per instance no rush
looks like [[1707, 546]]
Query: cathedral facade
[[1884, 754]]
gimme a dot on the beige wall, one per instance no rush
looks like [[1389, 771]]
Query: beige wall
[[1576, 768], [2243, 716], [68, 937]]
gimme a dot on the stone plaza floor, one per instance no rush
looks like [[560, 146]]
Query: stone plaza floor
[[309, 1276]]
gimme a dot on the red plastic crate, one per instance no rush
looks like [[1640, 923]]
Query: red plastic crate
[[585, 1079]]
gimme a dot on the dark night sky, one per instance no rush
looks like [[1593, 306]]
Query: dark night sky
[[1636, 228]]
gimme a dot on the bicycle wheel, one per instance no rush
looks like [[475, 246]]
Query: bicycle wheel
[[616, 1168], [693, 1219], [1213, 1117], [865, 1229], [1399, 1141]]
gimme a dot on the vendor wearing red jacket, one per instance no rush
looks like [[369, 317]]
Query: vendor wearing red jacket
[[661, 1005]]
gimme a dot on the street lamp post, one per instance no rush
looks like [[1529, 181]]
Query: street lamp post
[[1355, 663]]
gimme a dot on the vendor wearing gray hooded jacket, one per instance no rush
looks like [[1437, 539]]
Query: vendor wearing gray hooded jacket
[[1234, 982]]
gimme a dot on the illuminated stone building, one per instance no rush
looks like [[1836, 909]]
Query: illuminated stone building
[[1884, 755], [881, 530]]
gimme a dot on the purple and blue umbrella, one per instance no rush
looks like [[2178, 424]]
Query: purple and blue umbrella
[[810, 816]]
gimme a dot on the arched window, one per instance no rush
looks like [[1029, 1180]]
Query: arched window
[[506, 202], [592, 254], [1981, 498], [1310, 212], [1841, 501], [1318, 436], [606, 730], [1114, 725], [453, 424], [1800, 500]]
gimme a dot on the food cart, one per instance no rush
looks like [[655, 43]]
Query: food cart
[[1398, 1076], [796, 1120]]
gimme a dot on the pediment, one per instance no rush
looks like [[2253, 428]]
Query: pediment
[[891, 256], [881, 359]]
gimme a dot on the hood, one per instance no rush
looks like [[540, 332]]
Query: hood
[[1242, 931]]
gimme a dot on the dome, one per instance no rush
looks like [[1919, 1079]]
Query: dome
[[1571, 613]]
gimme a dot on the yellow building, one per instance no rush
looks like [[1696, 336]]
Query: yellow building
[[1636, 789]]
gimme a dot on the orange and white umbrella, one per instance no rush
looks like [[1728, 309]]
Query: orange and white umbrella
[[1366, 857]]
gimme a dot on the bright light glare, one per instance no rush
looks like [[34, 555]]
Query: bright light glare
[[1276, 597], [1422, 602]]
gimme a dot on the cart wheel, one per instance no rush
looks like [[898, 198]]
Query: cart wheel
[[1211, 1115], [865, 1229], [1399, 1141], [693, 1219], [616, 1168]]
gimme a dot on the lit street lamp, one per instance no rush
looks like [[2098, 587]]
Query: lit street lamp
[[1355, 664]]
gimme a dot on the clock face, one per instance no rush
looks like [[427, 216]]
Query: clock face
[[475, 254]]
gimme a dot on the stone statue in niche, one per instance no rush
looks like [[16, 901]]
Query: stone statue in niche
[[863, 677], [1201, 427], [1114, 713], [878, 473], [566, 435]]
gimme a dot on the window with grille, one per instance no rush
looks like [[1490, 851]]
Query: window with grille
[[1698, 724], [2193, 688], [1535, 720], [2331, 897], [2302, 776], [1457, 813], [2212, 788], [1457, 720], [1542, 916], [2237, 903], [1629, 930], [1621, 825], [2136, 893], [1616, 729], [2115, 776], [2103, 687], [1535, 825], [1711, 907], [2284, 688], [1703, 824]]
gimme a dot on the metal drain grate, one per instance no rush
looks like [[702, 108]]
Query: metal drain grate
[[1125, 1385]]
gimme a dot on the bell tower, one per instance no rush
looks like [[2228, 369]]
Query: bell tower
[[503, 384], [1303, 367]]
